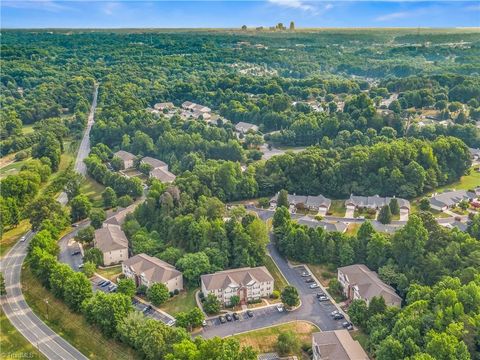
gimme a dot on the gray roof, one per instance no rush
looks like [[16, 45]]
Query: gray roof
[[375, 201], [474, 152], [327, 226], [154, 269], [164, 105], [125, 155], [369, 284], [163, 175], [110, 237], [154, 163], [337, 345], [245, 127], [309, 201], [236, 277], [450, 198]]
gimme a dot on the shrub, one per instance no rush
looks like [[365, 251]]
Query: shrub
[[275, 294], [176, 292]]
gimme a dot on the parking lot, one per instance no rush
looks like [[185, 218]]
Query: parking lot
[[138, 305]]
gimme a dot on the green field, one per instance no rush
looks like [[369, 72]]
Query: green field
[[337, 208], [466, 182], [72, 327], [110, 273], [184, 301], [280, 281], [27, 129], [93, 190], [12, 168], [12, 344], [10, 237]]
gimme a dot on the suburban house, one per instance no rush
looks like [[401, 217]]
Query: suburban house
[[474, 154], [126, 157], [336, 345], [359, 282], [247, 283], [196, 109], [112, 242], [376, 202], [318, 203], [449, 199], [147, 270], [244, 127], [164, 106], [326, 225], [119, 217], [159, 170]]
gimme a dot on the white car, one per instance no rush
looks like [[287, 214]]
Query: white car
[[280, 307], [171, 322], [23, 238], [314, 286]]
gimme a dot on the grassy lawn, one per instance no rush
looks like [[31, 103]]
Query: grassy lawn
[[366, 213], [185, 301], [265, 340], [12, 344], [93, 190], [71, 326], [337, 208], [352, 228], [110, 273], [12, 168], [362, 338], [323, 273], [69, 154], [27, 129], [280, 281], [10, 237], [465, 183]]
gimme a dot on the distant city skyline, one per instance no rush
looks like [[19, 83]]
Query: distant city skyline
[[234, 14]]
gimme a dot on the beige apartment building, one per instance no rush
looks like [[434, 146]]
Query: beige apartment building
[[336, 345], [112, 242]]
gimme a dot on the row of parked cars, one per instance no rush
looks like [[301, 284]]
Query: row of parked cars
[[107, 286], [233, 317]]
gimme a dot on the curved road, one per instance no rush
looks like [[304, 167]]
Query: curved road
[[14, 305]]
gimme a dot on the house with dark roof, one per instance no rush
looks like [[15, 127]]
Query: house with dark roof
[[375, 202], [336, 345], [154, 163], [359, 282], [449, 199], [317, 203], [159, 170], [247, 283], [147, 270], [326, 225], [112, 242], [126, 157]]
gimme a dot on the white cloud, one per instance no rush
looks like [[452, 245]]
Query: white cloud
[[328, 6], [110, 7], [295, 4], [392, 16], [47, 5]]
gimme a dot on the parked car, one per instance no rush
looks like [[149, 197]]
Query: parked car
[[135, 301], [280, 307], [347, 325], [112, 288], [222, 319], [76, 252], [74, 225], [106, 283], [228, 317], [204, 323], [321, 293], [314, 286], [171, 322], [147, 309], [250, 313], [323, 298], [338, 316], [101, 283], [236, 316], [305, 274], [309, 280], [334, 312], [23, 238]]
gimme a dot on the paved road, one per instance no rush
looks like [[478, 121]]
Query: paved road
[[311, 309], [14, 305], [22, 317]]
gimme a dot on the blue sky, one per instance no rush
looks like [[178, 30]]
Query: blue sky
[[233, 14]]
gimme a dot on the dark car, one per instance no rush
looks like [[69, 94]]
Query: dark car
[[76, 252], [338, 316], [309, 280], [135, 301], [228, 317], [106, 283], [101, 283], [347, 325], [222, 319], [147, 309], [250, 313], [320, 294], [236, 316]]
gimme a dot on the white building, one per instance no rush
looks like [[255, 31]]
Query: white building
[[247, 283]]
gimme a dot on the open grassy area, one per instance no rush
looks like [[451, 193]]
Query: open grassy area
[[12, 168], [465, 183], [10, 237], [12, 344], [93, 190], [352, 228], [69, 154], [27, 129], [280, 281], [323, 273], [185, 301], [110, 273], [71, 326], [265, 340], [362, 338], [337, 208]]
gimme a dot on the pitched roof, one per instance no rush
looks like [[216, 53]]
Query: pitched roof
[[154, 163], [245, 127], [119, 217], [152, 268], [110, 237], [369, 284], [310, 201], [236, 277], [327, 226], [450, 198], [164, 105], [163, 175], [125, 155], [375, 201], [337, 345]]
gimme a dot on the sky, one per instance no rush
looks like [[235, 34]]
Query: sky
[[234, 14]]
